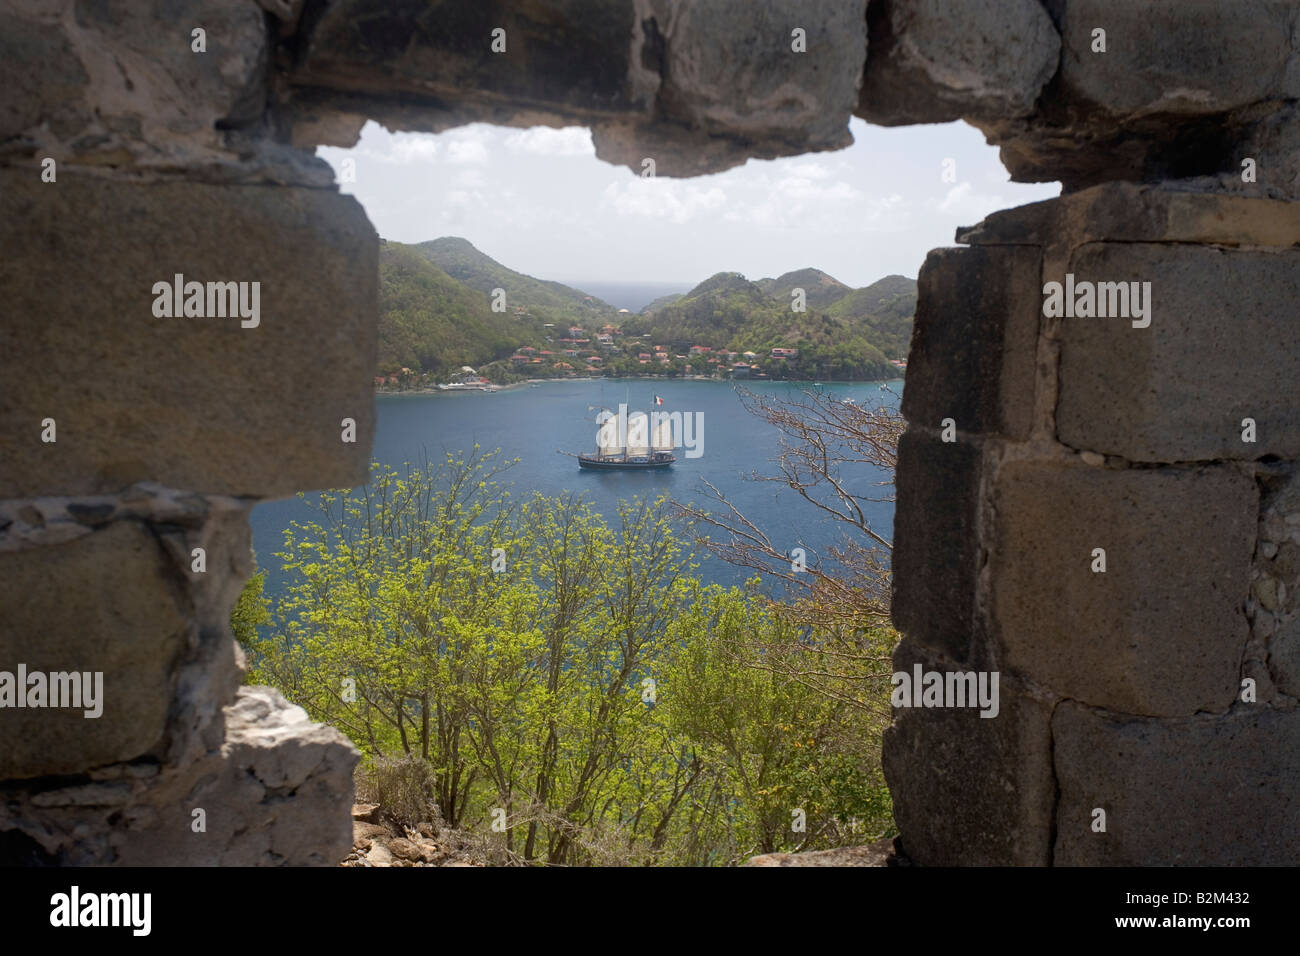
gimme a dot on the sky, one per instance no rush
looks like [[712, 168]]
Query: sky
[[540, 202]]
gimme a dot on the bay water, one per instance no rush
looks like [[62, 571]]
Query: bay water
[[545, 425]]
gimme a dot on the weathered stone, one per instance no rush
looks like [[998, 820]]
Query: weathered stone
[[272, 752], [973, 344], [1179, 91], [108, 603], [1197, 791], [214, 670], [1132, 212], [935, 542], [971, 790], [933, 61], [1284, 658], [1175, 391], [1191, 58], [1163, 638], [43, 80], [118, 82], [404, 849], [731, 86], [563, 59], [287, 11], [198, 403]]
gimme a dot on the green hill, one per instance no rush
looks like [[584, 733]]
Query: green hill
[[660, 302], [430, 322], [820, 289], [436, 315], [850, 334], [547, 301], [884, 310]]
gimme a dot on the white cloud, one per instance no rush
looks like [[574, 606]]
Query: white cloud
[[653, 198], [807, 170], [963, 202], [544, 141], [403, 149], [466, 151]]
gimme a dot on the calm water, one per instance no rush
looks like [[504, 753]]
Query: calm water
[[535, 424]]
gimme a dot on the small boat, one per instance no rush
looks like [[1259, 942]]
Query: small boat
[[629, 442], [468, 380]]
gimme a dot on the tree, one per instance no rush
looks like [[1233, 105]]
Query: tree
[[828, 451], [559, 671]]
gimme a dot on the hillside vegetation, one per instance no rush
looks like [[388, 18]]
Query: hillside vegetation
[[436, 315]]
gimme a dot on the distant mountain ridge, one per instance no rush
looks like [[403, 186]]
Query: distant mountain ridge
[[462, 261], [436, 315], [819, 288], [842, 332]]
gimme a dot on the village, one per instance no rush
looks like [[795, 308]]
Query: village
[[604, 352]]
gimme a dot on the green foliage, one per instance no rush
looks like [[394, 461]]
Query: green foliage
[[251, 612], [543, 300], [844, 334], [429, 322], [883, 310], [569, 671]]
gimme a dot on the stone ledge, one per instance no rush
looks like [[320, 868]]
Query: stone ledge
[[275, 792]]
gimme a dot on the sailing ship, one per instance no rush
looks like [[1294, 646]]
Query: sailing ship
[[631, 442]]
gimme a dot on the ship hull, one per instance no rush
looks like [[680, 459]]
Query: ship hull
[[613, 464]]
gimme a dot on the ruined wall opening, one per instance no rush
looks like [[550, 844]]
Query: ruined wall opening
[[1043, 426]]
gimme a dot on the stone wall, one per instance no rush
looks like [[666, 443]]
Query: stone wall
[[129, 437], [1153, 690]]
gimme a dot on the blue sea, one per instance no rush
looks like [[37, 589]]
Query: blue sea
[[633, 296], [539, 425]]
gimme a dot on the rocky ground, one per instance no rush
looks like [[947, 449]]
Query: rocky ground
[[377, 843]]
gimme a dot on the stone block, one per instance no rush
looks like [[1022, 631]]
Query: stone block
[[1197, 791], [1221, 347], [971, 790], [730, 85], [933, 61], [1140, 212], [109, 603], [278, 792], [188, 402], [974, 342], [935, 542], [563, 57], [117, 81], [1162, 630], [1191, 58]]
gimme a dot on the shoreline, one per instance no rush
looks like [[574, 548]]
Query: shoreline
[[513, 386]]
